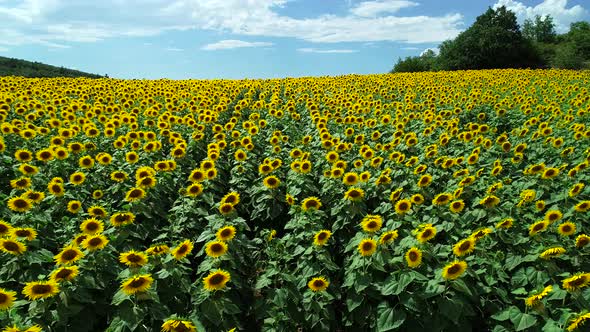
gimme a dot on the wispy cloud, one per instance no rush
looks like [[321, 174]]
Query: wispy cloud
[[558, 9], [410, 48], [85, 21], [315, 50], [375, 8], [229, 44], [174, 49]]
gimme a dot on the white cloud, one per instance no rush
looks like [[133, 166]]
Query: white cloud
[[374, 8], [562, 15], [229, 44], [436, 51], [64, 21], [410, 48], [315, 50], [174, 49], [4, 49]]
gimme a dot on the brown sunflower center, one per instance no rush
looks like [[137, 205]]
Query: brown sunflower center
[[63, 273], [216, 248], [454, 269], [21, 203], [23, 233], [135, 193], [427, 233], [3, 298], [367, 246], [10, 246], [403, 206], [69, 254], [182, 249], [318, 283], [137, 283], [413, 256], [133, 258], [355, 193], [566, 228], [538, 227], [465, 246], [216, 279], [322, 236], [41, 289], [578, 281], [95, 242]]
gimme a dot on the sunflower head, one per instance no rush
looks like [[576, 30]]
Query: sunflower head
[[133, 258], [311, 204], [318, 284], [216, 248], [137, 284], [367, 247], [454, 270], [413, 257], [7, 298], [182, 250], [226, 233], [216, 280], [35, 290], [12, 247], [322, 237]]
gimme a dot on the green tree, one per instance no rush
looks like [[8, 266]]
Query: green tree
[[425, 62], [493, 41], [579, 35], [567, 56], [541, 30]]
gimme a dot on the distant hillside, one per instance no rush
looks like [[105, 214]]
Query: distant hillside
[[18, 67]]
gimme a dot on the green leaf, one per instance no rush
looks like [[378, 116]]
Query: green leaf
[[390, 319], [461, 286], [521, 320]]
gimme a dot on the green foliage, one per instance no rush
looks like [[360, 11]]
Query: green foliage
[[424, 62], [542, 29], [567, 56], [493, 41], [17, 67]]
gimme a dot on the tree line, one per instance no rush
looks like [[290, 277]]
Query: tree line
[[18, 67], [496, 40]]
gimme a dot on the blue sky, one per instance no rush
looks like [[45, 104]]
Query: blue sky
[[244, 38]]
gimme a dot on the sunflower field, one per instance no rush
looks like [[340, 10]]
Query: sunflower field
[[413, 202]]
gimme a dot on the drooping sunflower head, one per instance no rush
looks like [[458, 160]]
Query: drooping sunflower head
[[178, 325], [137, 284], [552, 252], [318, 284], [505, 223], [388, 237], [134, 194], [582, 240], [367, 247], [216, 280], [576, 282], [158, 249], [537, 227], [464, 247]]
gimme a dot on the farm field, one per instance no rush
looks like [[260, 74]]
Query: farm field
[[413, 202]]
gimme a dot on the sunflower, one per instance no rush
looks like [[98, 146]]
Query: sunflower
[[122, 219], [576, 189], [426, 233], [97, 211], [20, 183], [582, 240], [216, 280], [23, 155], [226, 208], [371, 223], [566, 228], [5, 228], [216, 249], [194, 190], [35, 196], [20, 204], [119, 176], [35, 290], [92, 226], [12, 247], [271, 182], [537, 227], [350, 179], [133, 258], [464, 247], [95, 242], [27, 233], [27, 169], [552, 253], [540, 205], [64, 274], [367, 247], [6, 299], [86, 162], [425, 180], [489, 201], [232, 198], [550, 173], [321, 237], [535, 299], [457, 206], [578, 321], [553, 215], [454, 270], [68, 255], [417, 199], [576, 282], [178, 325], [74, 206], [182, 250], [388, 237], [77, 178], [226, 233], [157, 250], [505, 223], [403, 206], [354, 194], [137, 284], [442, 199], [318, 284], [413, 257], [481, 233], [78, 239], [311, 204], [134, 194], [582, 206]]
